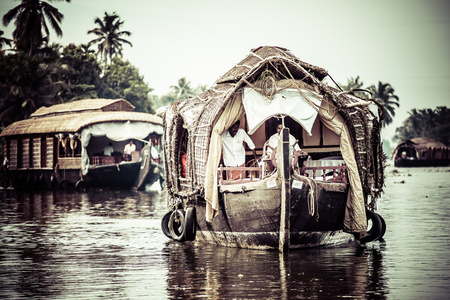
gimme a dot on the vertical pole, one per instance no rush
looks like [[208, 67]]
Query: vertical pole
[[284, 158]]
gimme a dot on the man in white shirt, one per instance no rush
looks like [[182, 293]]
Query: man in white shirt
[[233, 147], [273, 143], [129, 148], [108, 150]]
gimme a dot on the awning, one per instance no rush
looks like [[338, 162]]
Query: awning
[[116, 131], [286, 102]]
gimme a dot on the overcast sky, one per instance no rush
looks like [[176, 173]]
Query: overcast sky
[[405, 43]]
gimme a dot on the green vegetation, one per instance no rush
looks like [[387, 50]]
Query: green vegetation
[[383, 93], [431, 123], [109, 39], [122, 80], [31, 25], [27, 83], [4, 41], [434, 124], [35, 73], [182, 90]]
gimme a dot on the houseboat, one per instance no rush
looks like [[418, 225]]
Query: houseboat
[[421, 152], [321, 194], [81, 144]]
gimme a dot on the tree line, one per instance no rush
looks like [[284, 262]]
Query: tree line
[[35, 72], [431, 123]]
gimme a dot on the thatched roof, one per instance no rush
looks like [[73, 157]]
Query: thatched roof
[[262, 55], [73, 116], [93, 105], [198, 114], [423, 143]]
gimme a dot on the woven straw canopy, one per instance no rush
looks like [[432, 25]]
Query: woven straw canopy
[[264, 54], [199, 114], [73, 116]]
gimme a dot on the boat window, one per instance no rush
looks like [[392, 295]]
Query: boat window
[[69, 147], [20, 153], [43, 156]]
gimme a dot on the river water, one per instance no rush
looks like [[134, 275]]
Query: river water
[[109, 245]]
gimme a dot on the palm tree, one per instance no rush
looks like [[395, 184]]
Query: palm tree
[[384, 94], [4, 41], [427, 122], [183, 90], [109, 37], [352, 83], [31, 16]]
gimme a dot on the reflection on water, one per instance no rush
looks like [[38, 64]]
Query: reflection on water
[[69, 245], [56, 245], [228, 273]]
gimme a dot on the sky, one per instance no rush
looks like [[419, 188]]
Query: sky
[[402, 42]]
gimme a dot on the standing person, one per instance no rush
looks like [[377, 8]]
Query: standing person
[[273, 143], [108, 150], [129, 148], [233, 147]]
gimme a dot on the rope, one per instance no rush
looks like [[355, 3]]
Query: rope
[[311, 197], [335, 82], [268, 84]]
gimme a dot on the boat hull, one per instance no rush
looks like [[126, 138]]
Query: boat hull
[[117, 176], [406, 163], [251, 218]]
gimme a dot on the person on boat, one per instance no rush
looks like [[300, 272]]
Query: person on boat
[[233, 147], [272, 144], [108, 150], [183, 160], [129, 148]]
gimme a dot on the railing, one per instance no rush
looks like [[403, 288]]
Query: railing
[[339, 173], [235, 175], [104, 160]]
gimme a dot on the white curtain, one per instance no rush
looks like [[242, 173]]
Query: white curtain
[[355, 211], [231, 113], [289, 102], [116, 131]]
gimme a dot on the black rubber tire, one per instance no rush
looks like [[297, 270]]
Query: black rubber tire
[[177, 225], [165, 225], [80, 186], [65, 185], [190, 228], [383, 227], [374, 232]]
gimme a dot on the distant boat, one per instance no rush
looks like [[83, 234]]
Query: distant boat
[[325, 200], [421, 152], [61, 146]]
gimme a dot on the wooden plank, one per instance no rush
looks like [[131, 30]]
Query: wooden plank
[[50, 152], [25, 153], [69, 163], [13, 155], [284, 169], [36, 155]]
